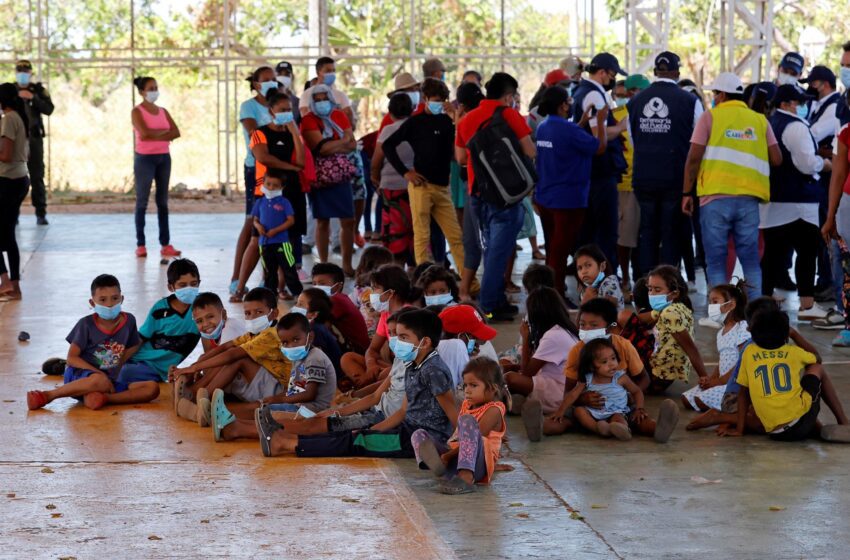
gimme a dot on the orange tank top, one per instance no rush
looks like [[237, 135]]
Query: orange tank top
[[492, 441]]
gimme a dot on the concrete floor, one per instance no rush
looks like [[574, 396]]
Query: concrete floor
[[135, 481]]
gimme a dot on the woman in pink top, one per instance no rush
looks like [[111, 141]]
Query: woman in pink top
[[154, 130]]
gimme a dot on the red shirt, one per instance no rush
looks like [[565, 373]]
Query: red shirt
[[312, 122], [844, 138], [350, 323], [469, 125]]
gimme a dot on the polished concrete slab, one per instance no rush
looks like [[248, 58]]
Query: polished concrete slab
[[135, 481]]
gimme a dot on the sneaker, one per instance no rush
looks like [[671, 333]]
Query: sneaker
[[532, 417], [141, 252], [706, 322], [358, 240], [812, 313], [54, 366], [834, 321], [842, 340], [303, 277], [42, 221], [504, 313], [169, 251]]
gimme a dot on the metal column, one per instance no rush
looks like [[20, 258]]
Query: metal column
[[746, 54], [647, 32]]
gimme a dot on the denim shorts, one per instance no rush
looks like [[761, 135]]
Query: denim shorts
[[75, 374]]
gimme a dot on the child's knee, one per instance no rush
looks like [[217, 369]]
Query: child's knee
[[151, 390], [99, 382]]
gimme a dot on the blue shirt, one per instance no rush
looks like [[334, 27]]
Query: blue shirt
[[103, 349], [252, 109], [272, 213], [564, 157], [167, 337]]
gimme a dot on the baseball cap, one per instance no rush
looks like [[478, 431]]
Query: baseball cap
[[283, 66], [768, 89], [608, 61], [23, 66], [555, 77], [820, 73], [465, 319], [667, 59], [636, 81], [726, 82], [789, 92], [571, 64], [402, 81], [792, 61]]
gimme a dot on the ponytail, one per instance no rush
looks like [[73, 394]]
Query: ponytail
[[9, 98]]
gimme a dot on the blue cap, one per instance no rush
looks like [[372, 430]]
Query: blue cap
[[607, 61], [792, 61], [667, 61]]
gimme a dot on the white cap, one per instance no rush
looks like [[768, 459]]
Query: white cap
[[726, 82]]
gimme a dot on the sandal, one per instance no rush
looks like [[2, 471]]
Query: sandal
[[177, 390], [238, 296], [220, 416], [36, 400], [456, 486], [203, 403], [538, 256], [431, 457], [266, 426]]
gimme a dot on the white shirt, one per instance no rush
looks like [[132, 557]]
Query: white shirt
[[797, 139], [825, 125], [234, 327]]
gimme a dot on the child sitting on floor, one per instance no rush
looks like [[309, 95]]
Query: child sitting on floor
[[273, 216], [345, 316], [785, 384], [315, 305], [594, 278], [169, 333], [372, 258], [535, 276], [428, 404], [100, 345], [439, 286], [250, 367], [599, 366], [473, 450], [637, 325], [212, 321], [675, 350], [312, 381]]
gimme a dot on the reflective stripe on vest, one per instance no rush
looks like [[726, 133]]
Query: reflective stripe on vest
[[735, 160]]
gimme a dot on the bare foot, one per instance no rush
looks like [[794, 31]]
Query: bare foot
[[704, 420]]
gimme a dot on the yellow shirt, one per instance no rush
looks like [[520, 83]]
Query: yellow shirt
[[668, 360], [773, 379], [625, 184], [264, 348]]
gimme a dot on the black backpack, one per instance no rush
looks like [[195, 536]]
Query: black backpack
[[504, 175]]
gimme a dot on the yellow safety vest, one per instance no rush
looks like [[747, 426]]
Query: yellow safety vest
[[735, 160], [625, 183]]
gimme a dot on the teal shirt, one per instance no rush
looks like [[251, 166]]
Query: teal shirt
[[167, 337]]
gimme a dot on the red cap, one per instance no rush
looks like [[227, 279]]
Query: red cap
[[465, 319], [556, 76]]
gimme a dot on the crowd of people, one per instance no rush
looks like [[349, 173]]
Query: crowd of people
[[638, 184]]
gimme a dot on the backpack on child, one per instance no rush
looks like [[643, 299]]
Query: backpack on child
[[504, 175]]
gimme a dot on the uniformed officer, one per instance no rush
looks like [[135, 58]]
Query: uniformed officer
[[37, 102]]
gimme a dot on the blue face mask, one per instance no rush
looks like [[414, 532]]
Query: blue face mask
[[329, 79], [299, 310], [439, 299], [414, 98], [266, 87], [283, 118], [327, 289], [323, 108], [470, 346], [23, 78], [802, 111], [435, 107], [187, 295], [216, 332], [393, 342], [599, 278], [845, 76], [406, 351], [294, 354], [658, 301], [107, 313]]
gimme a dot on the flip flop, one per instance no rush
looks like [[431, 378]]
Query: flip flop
[[220, 416], [456, 486], [36, 400], [266, 426], [431, 457], [177, 390]]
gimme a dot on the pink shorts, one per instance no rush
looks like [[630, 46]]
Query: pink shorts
[[549, 391]]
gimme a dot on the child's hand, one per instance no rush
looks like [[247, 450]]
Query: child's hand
[[524, 329], [260, 229], [707, 382], [639, 415], [592, 399], [589, 293], [557, 418], [727, 430], [327, 413]]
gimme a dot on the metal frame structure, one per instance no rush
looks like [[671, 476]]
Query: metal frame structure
[[231, 65], [746, 37], [649, 19]]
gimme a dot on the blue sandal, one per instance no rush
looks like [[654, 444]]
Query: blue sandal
[[220, 416]]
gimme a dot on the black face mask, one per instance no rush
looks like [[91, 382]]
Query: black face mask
[[609, 86], [811, 91]]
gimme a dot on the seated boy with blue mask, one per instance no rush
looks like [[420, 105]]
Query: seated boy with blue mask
[[428, 404], [100, 345], [169, 333], [250, 367], [312, 382]]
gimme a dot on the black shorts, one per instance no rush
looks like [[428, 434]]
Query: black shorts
[[394, 443], [806, 426]]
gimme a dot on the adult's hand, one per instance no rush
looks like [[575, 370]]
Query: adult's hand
[[687, 205]]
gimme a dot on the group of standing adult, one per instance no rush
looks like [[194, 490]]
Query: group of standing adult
[[22, 130]]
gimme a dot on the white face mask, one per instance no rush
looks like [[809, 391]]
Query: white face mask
[[271, 194], [285, 81], [151, 96], [715, 314], [592, 334], [786, 79], [258, 324]]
